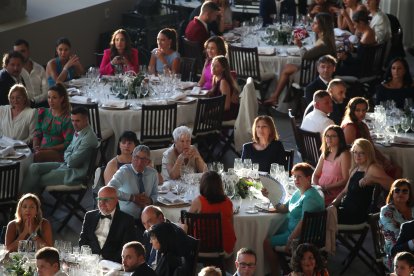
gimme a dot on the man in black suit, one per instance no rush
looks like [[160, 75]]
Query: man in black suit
[[326, 67], [106, 230], [10, 74], [245, 262], [133, 259], [405, 241]]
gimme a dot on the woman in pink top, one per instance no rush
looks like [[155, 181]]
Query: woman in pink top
[[214, 46], [213, 200], [332, 171]]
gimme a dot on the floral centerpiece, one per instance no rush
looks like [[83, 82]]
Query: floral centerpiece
[[243, 185], [132, 81], [17, 266]]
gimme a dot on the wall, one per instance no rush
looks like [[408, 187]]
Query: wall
[[81, 26]]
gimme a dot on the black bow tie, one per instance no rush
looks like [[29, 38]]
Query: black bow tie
[[107, 216]]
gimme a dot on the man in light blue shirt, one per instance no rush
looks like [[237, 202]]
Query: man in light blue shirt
[[136, 183]]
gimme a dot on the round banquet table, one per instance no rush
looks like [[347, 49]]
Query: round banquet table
[[400, 155], [250, 229]]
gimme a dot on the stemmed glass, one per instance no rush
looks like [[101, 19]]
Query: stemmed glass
[[412, 124], [405, 124]]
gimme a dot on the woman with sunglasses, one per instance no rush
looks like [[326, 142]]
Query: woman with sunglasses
[[398, 210]]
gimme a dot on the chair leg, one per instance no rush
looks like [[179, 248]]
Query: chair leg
[[354, 249]]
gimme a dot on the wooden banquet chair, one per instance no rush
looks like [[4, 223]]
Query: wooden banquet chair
[[193, 49], [157, 125], [9, 180], [187, 68], [289, 158], [378, 242], [207, 229]]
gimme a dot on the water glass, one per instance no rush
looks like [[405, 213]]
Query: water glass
[[247, 164], [22, 246], [220, 167], [238, 164], [86, 250], [274, 168]]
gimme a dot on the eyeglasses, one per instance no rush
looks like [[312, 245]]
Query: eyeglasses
[[404, 191], [247, 265], [358, 153], [104, 199]]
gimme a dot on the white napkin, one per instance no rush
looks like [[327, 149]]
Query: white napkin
[[156, 102], [115, 103], [339, 32], [404, 140], [7, 151], [81, 99], [228, 36], [196, 90], [266, 50], [172, 198], [72, 91], [110, 265], [186, 85], [293, 51], [353, 39], [178, 96], [7, 141]]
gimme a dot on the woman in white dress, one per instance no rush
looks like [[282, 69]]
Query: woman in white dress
[[17, 120]]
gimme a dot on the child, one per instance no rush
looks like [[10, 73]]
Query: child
[[403, 264]]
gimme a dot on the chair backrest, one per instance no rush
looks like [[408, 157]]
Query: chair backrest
[[397, 46], [295, 129], [93, 116], [245, 61], [209, 115], [9, 179], [90, 174], [191, 258], [187, 68], [308, 71], [206, 228], [377, 236], [372, 60], [157, 124], [311, 146], [289, 157], [193, 49], [314, 228]]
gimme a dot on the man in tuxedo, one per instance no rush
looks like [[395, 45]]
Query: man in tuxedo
[[326, 66], [245, 262], [107, 229], [405, 241], [133, 259], [77, 156], [10, 74]]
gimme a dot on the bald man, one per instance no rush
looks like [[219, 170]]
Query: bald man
[[107, 229]]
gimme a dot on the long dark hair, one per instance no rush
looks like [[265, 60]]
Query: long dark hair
[[407, 80], [326, 27], [350, 114], [220, 43], [211, 187], [61, 90], [162, 231], [226, 73], [128, 44], [342, 146]]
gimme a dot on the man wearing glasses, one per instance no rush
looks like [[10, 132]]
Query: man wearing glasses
[[107, 229], [136, 185], [245, 262]]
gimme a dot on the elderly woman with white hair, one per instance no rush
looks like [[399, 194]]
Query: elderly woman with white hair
[[181, 156]]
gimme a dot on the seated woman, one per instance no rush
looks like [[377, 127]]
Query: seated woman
[[17, 120], [224, 84], [28, 224], [305, 199], [54, 129], [126, 145], [181, 156], [354, 127], [266, 147], [355, 200], [399, 209], [403, 264], [165, 57], [322, 25], [398, 84], [168, 261], [332, 171], [318, 6], [120, 57], [214, 46], [349, 64], [65, 66], [307, 261], [213, 200], [345, 14]]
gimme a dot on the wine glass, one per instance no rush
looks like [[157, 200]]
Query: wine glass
[[289, 38], [405, 124], [412, 124]]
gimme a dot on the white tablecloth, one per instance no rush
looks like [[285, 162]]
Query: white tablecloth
[[403, 9], [251, 230]]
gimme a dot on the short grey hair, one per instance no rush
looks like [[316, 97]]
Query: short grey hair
[[142, 148], [180, 131]]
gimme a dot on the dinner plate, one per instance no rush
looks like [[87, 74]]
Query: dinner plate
[[5, 162], [251, 212], [186, 100], [107, 107]]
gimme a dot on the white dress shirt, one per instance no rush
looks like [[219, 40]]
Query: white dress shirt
[[316, 121], [102, 229], [36, 83], [381, 26]]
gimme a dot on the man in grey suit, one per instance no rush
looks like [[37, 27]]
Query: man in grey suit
[[245, 262], [76, 159]]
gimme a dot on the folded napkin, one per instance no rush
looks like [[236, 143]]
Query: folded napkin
[[172, 198], [7, 151], [7, 141], [115, 103], [404, 139], [293, 51], [266, 50], [81, 99], [156, 102], [196, 90], [72, 91], [186, 85], [110, 265], [228, 36], [178, 96], [79, 82], [339, 32]]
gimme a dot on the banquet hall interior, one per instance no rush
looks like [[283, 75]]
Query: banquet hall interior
[[89, 25]]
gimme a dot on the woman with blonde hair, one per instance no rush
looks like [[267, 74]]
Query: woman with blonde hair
[[266, 147], [355, 200], [28, 224]]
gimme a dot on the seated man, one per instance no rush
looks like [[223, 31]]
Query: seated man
[[136, 183], [10, 74], [405, 241], [105, 230], [245, 262], [77, 156], [326, 66], [217, 26], [317, 120], [197, 29], [47, 262], [379, 22], [181, 155]]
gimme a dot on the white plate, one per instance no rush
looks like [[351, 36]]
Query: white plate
[[5, 162], [252, 211]]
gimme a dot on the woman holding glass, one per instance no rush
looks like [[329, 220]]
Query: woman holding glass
[[266, 147], [213, 200], [54, 129], [322, 25], [120, 57], [214, 46], [305, 199], [165, 57], [399, 209], [65, 66], [355, 200], [332, 171], [28, 224]]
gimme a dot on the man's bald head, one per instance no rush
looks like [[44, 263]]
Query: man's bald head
[[151, 215]]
